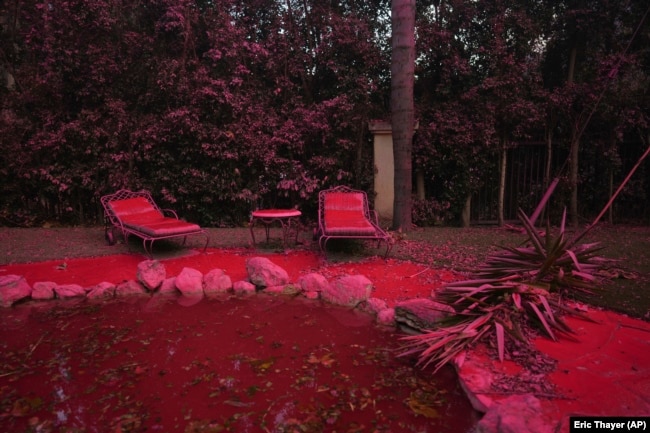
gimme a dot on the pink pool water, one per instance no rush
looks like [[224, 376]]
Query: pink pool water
[[238, 364]]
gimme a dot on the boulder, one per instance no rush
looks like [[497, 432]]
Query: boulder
[[103, 290], [43, 290], [168, 286], [313, 284], [190, 282], [262, 272], [151, 273], [130, 288], [216, 281], [420, 314], [243, 288], [311, 295], [348, 290], [373, 305], [64, 291], [13, 288], [386, 317]]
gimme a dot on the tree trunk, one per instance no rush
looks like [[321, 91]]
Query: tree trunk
[[610, 213], [587, 229], [503, 163], [573, 178], [402, 107], [574, 149], [466, 214], [550, 128]]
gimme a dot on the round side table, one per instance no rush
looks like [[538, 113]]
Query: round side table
[[288, 219]]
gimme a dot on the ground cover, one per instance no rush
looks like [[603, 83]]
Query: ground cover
[[423, 259]]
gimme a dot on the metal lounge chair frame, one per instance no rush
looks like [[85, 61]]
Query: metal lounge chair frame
[[343, 213], [136, 213]]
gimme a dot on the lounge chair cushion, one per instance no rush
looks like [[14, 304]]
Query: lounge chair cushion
[[135, 209], [139, 214], [164, 227], [345, 215]]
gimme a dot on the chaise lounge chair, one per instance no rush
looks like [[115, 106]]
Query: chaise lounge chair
[[136, 213], [343, 213]]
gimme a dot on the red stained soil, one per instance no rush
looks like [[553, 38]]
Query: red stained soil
[[252, 364]]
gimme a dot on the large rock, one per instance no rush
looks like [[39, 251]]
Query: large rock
[[216, 281], [386, 317], [13, 288], [373, 305], [264, 273], [130, 288], [168, 286], [243, 288], [420, 314], [313, 284], [515, 414], [43, 290], [64, 291], [103, 290], [190, 282], [151, 273], [348, 290]]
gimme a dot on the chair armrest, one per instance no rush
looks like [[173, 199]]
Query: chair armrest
[[171, 212]]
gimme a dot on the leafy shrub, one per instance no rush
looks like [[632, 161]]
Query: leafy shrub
[[430, 212]]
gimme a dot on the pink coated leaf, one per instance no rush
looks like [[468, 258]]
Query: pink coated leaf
[[500, 340]]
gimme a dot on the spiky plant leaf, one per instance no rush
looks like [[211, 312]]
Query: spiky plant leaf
[[498, 327], [530, 230], [542, 320]]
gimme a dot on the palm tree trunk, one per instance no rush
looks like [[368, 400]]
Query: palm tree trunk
[[402, 108]]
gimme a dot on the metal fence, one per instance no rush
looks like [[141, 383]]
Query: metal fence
[[525, 185]]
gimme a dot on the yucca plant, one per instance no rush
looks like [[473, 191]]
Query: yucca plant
[[516, 286]]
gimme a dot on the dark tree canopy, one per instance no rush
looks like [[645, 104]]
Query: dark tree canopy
[[218, 107]]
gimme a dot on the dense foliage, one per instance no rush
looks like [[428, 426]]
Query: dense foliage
[[218, 107]]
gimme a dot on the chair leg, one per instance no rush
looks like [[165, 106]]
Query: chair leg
[[109, 235], [389, 247], [207, 241], [148, 250], [322, 243]]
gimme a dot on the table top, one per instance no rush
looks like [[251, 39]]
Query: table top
[[276, 213]]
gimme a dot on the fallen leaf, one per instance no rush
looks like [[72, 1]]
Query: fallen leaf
[[420, 408]]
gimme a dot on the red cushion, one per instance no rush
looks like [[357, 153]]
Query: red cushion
[[345, 215], [139, 215], [163, 227], [344, 201], [136, 208], [347, 223]]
